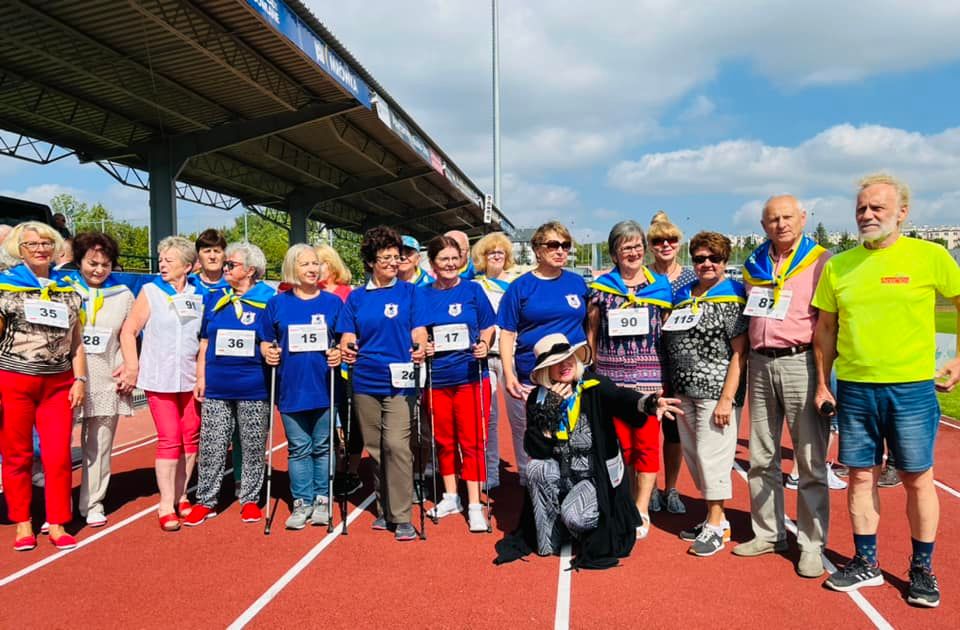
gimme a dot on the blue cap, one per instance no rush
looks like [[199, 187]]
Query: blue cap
[[412, 243]]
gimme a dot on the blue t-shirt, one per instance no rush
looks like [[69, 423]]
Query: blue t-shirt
[[303, 377], [533, 307], [467, 304], [232, 377], [382, 319]]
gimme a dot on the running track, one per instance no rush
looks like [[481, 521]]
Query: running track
[[130, 574]]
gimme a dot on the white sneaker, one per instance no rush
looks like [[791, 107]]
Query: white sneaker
[[475, 518], [836, 483], [644, 528], [450, 504], [96, 519], [792, 482]]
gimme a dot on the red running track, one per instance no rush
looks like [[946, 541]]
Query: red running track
[[131, 574]]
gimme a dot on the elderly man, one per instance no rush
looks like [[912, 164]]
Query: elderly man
[[781, 275], [409, 268], [467, 272], [876, 320]]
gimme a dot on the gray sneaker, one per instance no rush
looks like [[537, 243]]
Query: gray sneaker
[[300, 515], [656, 500], [674, 504], [320, 514], [404, 532], [889, 478], [707, 543]]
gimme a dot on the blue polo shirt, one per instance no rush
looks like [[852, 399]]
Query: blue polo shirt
[[533, 307], [381, 318], [232, 377], [465, 303], [303, 377]]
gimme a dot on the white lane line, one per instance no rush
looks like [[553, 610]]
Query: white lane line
[[872, 613], [120, 450], [949, 424], [297, 568], [946, 488], [27, 570], [561, 620]]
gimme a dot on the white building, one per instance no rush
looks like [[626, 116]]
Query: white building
[[949, 233]]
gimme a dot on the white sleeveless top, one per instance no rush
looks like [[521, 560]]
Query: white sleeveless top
[[168, 356]]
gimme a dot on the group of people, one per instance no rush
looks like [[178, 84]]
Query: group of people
[[592, 375]]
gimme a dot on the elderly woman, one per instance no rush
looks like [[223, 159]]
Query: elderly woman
[[43, 370], [575, 474], [231, 385], [334, 275], [376, 340], [167, 312], [623, 330], [297, 334], [492, 260], [548, 299], [460, 321], [663, 239], [106, 304], [705, 350], [210, 246]]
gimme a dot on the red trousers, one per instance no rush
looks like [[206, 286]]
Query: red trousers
[[42, 400], [457, 422], [641, 447]]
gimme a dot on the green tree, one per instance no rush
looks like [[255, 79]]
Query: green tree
[[133, 241], [821, 236], [846, 242]]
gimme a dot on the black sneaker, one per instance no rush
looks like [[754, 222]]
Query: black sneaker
[[924, 590], [855, 574], [889, 478], [691, 534], [707, 543], [346, 484]]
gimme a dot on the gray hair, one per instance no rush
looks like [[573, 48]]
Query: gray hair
[[252, 257], [624, 231], [183, 247]]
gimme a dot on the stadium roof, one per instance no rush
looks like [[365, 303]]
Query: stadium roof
[[247, 102]]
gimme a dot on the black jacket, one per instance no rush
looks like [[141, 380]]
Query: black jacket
[[615, 533]]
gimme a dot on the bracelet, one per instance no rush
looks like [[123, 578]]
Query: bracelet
[[82, 379]]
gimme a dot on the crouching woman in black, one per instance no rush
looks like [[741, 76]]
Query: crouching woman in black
[[575, 476]]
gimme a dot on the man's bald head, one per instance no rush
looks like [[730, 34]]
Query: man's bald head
[[462, 241], [783, 220]]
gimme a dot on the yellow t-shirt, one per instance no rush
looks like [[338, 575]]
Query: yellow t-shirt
[[885, 301]]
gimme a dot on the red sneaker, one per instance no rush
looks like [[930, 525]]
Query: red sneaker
[[198, 515], [250, 513]]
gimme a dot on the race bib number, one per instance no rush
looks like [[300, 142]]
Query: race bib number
[[235, 343], [187, 306], [625, 322], [683, 319], [95, 339], [760, 304], [401, 375], [46, 313], [307, 338], [451, 337]]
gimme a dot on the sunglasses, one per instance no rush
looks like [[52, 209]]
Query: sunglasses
[[229, 265], [555, 245], [658, 242], [714, 258]]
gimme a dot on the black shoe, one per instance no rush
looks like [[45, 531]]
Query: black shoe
[[924, 590], [854, 575], [346, 484], [889, 478]]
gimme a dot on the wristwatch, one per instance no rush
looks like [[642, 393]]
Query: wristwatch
[[82, 379]]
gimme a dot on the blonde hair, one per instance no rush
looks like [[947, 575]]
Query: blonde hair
[[662, 227], [288, 270], [186, 249], [542, 376], [903, 191], [11, 244], [339, 274], [486, 245]]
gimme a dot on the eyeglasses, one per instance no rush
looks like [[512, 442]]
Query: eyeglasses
[[631, 249], [660, 242], [496, 254], [555, 245], [230, 264], [33, 246], [385, 260], [714, 258]]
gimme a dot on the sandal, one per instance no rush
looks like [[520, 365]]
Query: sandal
[[169, 522], [184, 508]]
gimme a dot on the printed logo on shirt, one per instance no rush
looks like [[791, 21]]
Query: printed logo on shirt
[[573, 300], [316, 318], [247, 318], [455, 309], [895, 280], [390, 310]]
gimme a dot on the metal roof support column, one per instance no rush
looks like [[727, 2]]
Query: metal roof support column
[[164, 169], [298, 222]]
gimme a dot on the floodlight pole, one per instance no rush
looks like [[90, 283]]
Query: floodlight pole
[[496, 102]]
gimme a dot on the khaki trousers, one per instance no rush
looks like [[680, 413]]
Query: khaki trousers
[[96, 442], [394, 481], [784, 388]]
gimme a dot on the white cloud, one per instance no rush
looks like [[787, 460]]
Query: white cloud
[[43, 193]]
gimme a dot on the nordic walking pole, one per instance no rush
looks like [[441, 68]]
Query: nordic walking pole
[[418, 456], [483, 428], [348, 387], [433, 439], [332, 467], [273, 397]]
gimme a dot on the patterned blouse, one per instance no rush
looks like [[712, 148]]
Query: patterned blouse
[[29, 348], [630, 360]]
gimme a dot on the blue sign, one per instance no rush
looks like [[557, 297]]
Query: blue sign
[[280, 17]]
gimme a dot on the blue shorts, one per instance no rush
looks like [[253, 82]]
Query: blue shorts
[[905, 415]]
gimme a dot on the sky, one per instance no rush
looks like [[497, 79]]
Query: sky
[[612, 110]]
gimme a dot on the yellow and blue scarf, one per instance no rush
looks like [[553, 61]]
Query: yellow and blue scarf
[[758, 269], [20, 279], [494, 285], [726, 290], [256, 296], [93, 297], [569, 422], [657, 292]]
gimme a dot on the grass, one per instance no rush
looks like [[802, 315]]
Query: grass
[[949, 403]]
